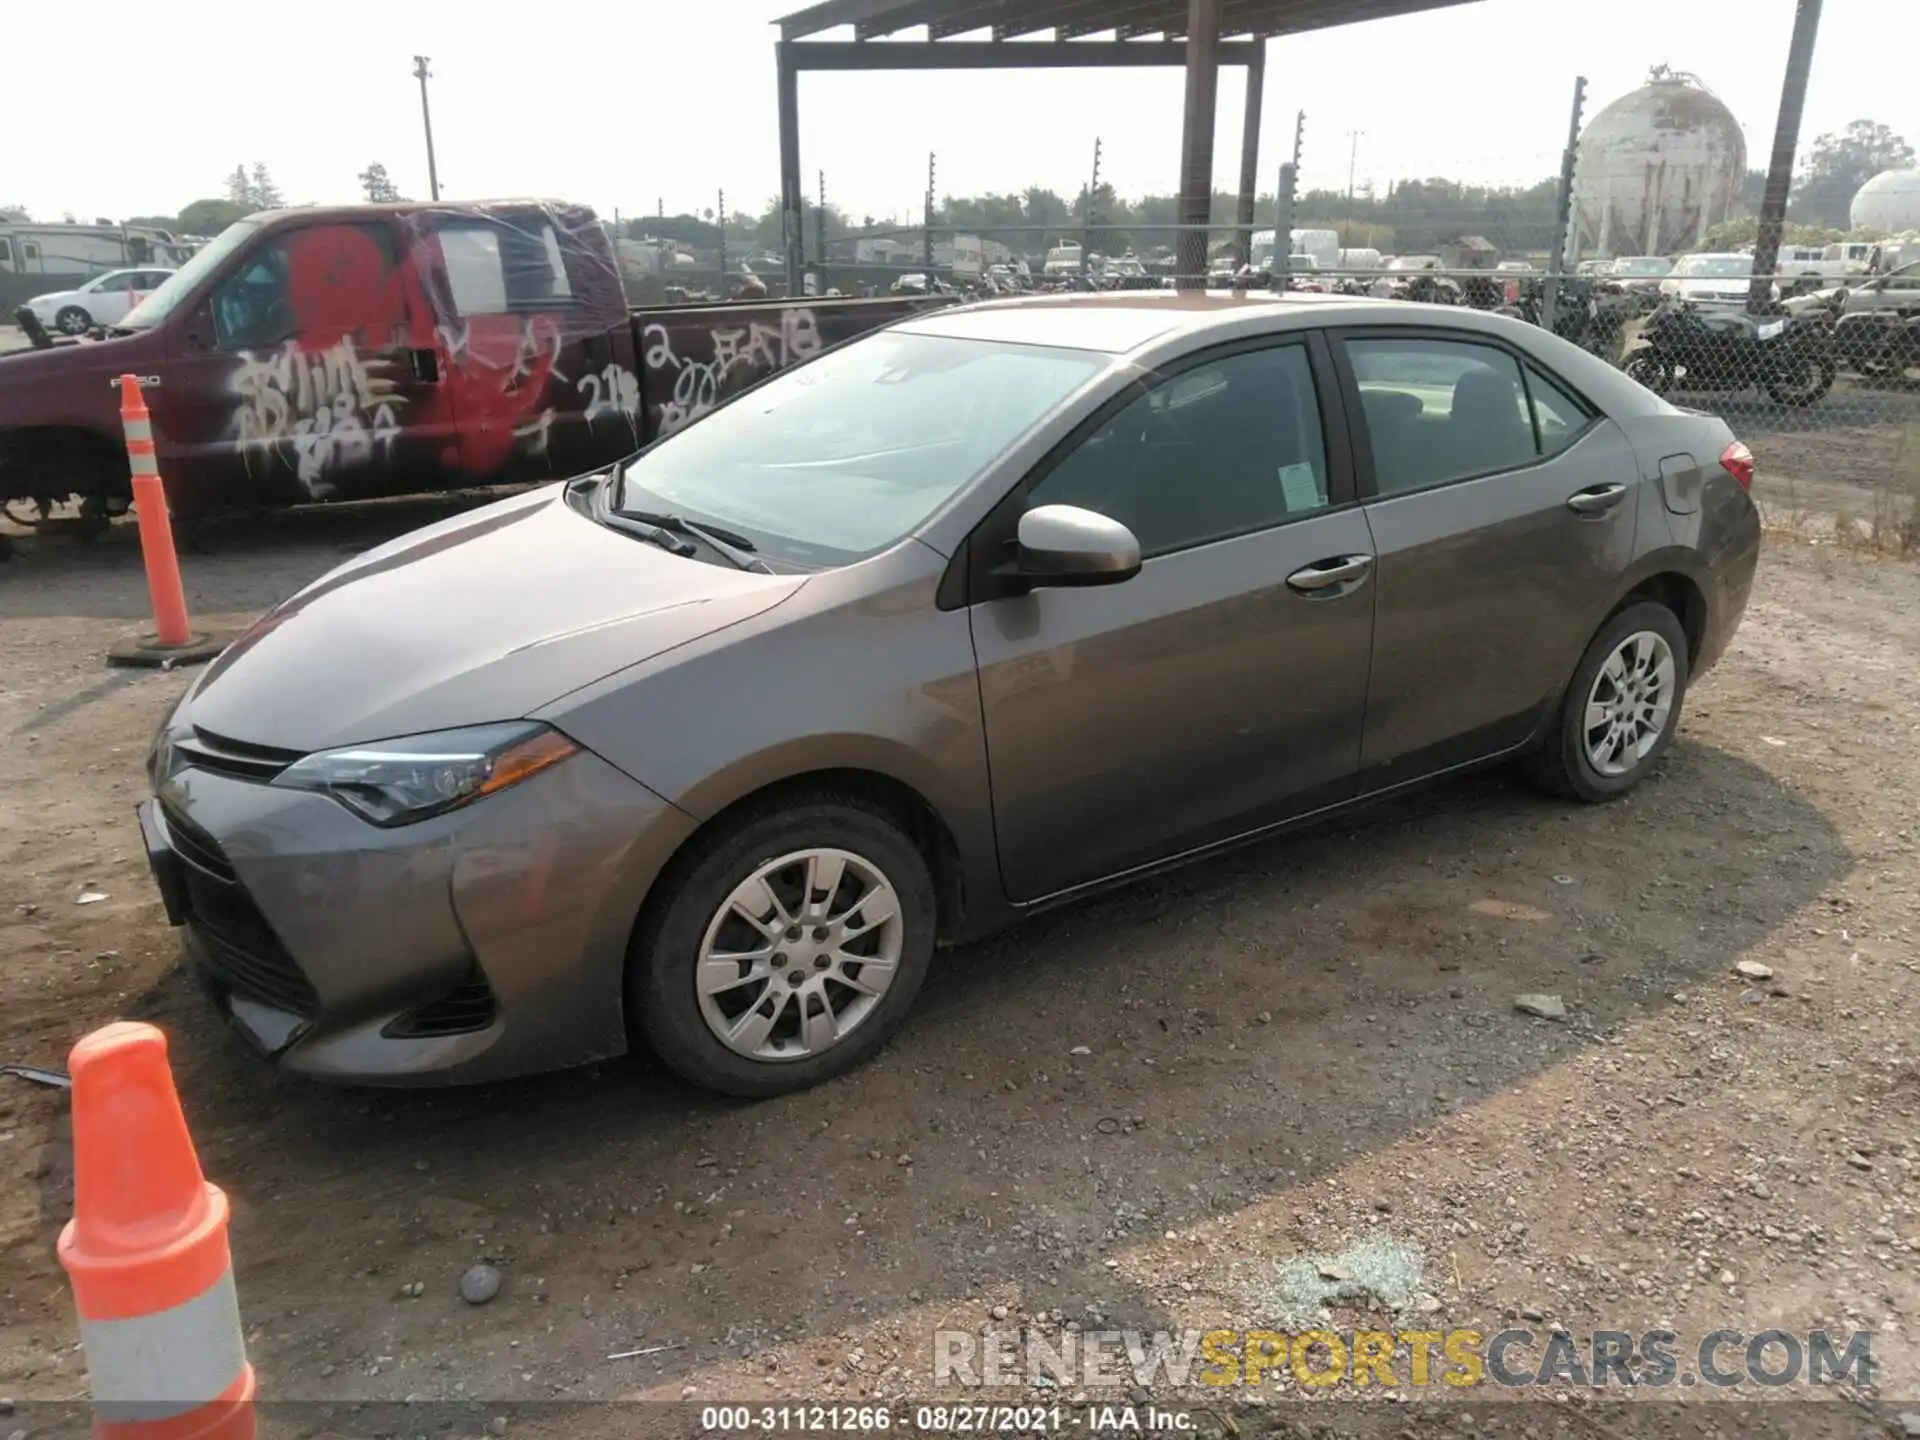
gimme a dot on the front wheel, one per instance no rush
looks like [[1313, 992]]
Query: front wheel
[[1801, 379], [73, 320], [791, 949], [1620, 710]]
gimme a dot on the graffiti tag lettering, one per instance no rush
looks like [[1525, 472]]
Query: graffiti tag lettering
[[741, 355], [614, 391], [326, 409]]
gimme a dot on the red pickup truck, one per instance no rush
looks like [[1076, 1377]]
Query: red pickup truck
[[346, 352]]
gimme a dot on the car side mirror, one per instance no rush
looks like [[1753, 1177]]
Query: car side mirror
[[1064, 545]]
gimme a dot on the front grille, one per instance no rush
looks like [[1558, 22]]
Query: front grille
[[236, 942], [469, 1006], [235, 758]]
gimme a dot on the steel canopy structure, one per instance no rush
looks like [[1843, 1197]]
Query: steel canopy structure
[[1201, 35]]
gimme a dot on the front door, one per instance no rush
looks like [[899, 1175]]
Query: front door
[[1220, 689], [1503, 508], [295, 379]]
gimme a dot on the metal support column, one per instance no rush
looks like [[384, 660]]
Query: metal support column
[[1562, 212], [1196, 142], [1786, 139], [1250, 148], [792, 196]]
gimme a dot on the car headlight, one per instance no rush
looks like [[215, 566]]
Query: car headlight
[[400, 781]]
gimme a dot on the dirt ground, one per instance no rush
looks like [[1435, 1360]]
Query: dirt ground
[[1126, 1114]]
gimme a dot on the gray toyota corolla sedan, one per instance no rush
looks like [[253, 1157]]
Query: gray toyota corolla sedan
[[960, 619]]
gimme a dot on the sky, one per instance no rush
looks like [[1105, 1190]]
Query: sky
[[639, 103]]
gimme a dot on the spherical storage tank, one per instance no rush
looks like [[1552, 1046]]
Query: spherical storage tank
[[1890, 202], [1657, 169]]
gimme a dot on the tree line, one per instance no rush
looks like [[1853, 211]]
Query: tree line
[[1413, 215]]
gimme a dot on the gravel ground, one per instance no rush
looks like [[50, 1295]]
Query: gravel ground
[[1182, 1105]]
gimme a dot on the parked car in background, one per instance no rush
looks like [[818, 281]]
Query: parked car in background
[[1876, 321], [104, 300], [1636, 271], [1414, 262], [345, 352], [1709, 278], [1514, 267], [1074, 589]]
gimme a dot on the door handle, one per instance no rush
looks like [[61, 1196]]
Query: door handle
[[1596, 499], [1326, 574], [426, 366]]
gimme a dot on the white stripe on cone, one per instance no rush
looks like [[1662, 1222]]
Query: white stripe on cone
[[153, 1367]]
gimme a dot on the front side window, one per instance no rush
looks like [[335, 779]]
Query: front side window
[[30, 249], [1226, 447], [6, 252], [1440, 410], [837, 459], [250, 307]]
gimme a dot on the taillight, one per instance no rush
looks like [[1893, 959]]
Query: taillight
[[1737, 461]]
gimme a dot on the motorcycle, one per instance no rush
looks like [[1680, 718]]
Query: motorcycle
[[1684, 347], [1589, 314]]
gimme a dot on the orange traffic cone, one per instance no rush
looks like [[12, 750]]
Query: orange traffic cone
[[147, 1253], [172, 641]]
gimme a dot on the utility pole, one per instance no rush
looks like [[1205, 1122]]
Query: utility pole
[[421, 73], [1353, 159], [1086, 216], [1786, 138], [927, 245], [1563, 212], [721, 215], [1283, 207], [820, 226]]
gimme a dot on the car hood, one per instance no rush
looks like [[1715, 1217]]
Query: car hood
[[52, 297], [484, 617]]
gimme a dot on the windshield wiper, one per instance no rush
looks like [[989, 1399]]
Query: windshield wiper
[[599, 510], [736, 548]]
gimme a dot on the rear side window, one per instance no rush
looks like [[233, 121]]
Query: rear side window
[[1557, 416], [6, 252], [1440, 410], [497, 269]]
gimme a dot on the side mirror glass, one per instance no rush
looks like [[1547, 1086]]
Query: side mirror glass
[[1065, 545]]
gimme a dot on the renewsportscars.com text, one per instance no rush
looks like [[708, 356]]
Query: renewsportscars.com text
[[1510, 1359]]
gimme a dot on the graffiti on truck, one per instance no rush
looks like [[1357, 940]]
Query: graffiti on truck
[[739, 355], [327, 408]]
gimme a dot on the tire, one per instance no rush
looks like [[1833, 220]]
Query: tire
[[1814, 375], [664, 988], [73, 320], [1650, 370], [1564, 763]]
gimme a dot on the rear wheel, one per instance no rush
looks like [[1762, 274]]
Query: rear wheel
[[1621, 709], [1651, 371], [791, 950], [1801, 379], [73, 320]]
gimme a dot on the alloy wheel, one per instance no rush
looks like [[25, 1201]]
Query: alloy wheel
[[799, 955], [1629, 704]]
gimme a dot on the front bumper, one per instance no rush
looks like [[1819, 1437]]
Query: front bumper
[[477, 945]]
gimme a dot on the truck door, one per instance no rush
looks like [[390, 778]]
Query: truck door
[[293, 378], [526, 308]]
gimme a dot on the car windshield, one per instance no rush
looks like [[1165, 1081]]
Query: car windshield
[[1715, 267], [1652, 266], [184, 281], [841, 457]]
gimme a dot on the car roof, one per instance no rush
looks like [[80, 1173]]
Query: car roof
[[1122, 321]]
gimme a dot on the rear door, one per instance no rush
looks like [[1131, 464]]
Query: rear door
[[1220, 689], [525, 312], [292, 379], [1502, 510]]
